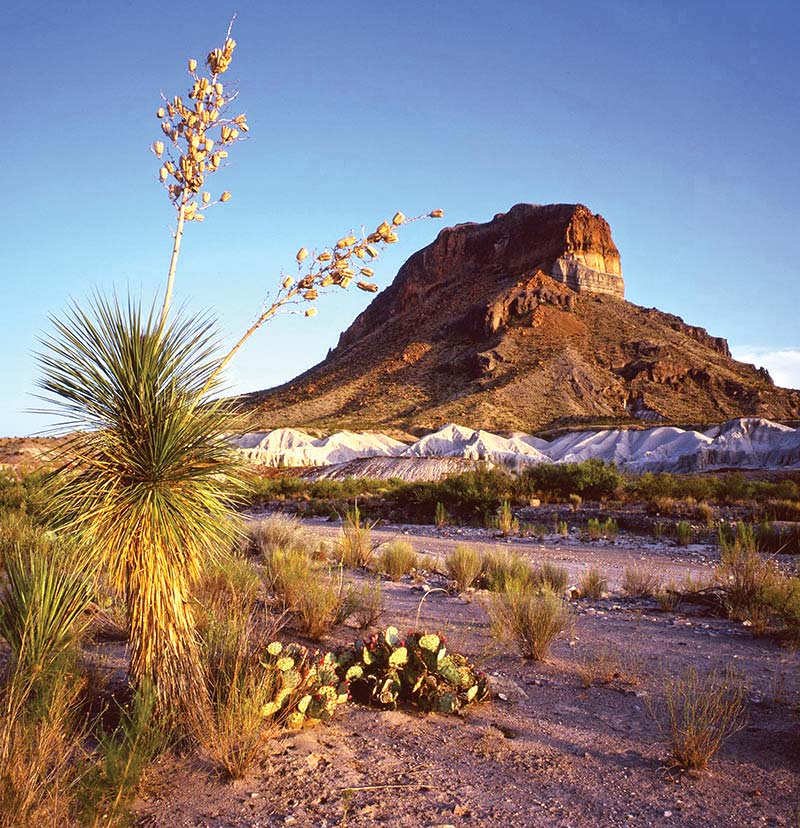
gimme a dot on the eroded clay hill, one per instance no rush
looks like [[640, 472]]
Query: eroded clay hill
[[517, 324]]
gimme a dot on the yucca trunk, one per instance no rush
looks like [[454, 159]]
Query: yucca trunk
[[164, 646]]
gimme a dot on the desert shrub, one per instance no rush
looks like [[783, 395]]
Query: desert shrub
[[560, 527], [323, 603], [231, 579], [657, 530], [470, 495], [551, 576], [279, 531], [684, 533], [397, 558], [778, 540], [121, 759], [501, 566], [41, 753], [610, 529], [668, 597], [699, 715], [744, 574], [603, 667], [589, 480], [504, 520], [592, 584], [286, 574], [367, 601], [532, 619], [385, 669], [639, 582], [440, 517], [354, 548], [782, 597], [706, 513], [463, 566], [575, 501], [593, 530]]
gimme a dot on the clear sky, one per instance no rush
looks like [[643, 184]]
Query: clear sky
[[677, 121]]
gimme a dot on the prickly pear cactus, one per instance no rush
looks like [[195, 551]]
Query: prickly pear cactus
[[306, 685], [386, 668]]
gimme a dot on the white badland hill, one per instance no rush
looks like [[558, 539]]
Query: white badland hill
[[744, 443]]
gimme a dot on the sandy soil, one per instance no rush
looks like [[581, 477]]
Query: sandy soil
[[549, 752]]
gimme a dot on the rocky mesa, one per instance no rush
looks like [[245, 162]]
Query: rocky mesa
[[519, 323]]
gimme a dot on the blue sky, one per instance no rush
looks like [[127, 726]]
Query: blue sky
[[676, 121]]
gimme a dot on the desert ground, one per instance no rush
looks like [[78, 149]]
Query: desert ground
[[546, 750]]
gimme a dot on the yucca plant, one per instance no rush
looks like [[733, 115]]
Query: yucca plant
[[150, 484], [150, 489], [42, 609]]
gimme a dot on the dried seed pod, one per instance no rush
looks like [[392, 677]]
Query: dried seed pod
[[225, 196], [384, 228], [325, 256], [311, 312], [369, 287], [345, 281], [373, 251], [390, 238], [368, 272], [359, 251], [326, 280], [218, 88], [398, 219], [302, 253], [162, 174], [160, 112], [287, 282], [206, 198], [436, 213], [200, 217], [310, 295], [158, 148]]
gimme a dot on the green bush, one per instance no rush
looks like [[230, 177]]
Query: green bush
[[591, 480]]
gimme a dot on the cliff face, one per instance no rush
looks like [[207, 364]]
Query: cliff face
[[515, 324]]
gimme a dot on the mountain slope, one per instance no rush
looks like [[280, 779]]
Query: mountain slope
[[518, 324]]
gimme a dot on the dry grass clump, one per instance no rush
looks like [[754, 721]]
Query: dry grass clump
[[638, 582], [280, 531], [324, 603], [232, 579], [355, 549], [501, 566], [604, 668], [239, 685], [464, 565], [367, 603], [531, 618], [552, 577], [699, 715], [397, 558], [286, 574], [592, 584]]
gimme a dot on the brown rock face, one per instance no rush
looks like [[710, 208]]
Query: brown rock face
[[513, 325]]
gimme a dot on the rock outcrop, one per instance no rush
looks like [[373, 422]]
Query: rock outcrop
[[518, 324]]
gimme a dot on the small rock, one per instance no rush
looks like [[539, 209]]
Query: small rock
[[667, 813]]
